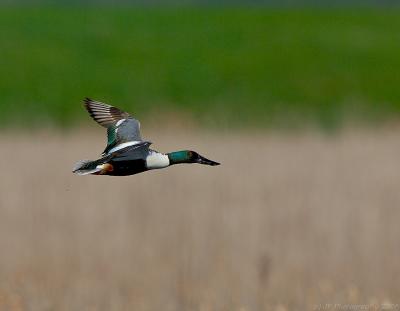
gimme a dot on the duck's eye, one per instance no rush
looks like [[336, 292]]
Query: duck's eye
[[194, 155]]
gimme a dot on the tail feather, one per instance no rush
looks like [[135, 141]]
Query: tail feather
[[86, 167]]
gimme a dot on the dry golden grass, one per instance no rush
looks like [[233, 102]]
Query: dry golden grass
[[286, 223]]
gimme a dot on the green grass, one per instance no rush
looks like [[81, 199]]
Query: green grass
[[221, 66]]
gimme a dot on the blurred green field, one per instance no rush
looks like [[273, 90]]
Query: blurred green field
[[219, 67]]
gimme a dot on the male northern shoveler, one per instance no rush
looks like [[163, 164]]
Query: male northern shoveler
[[126, 153]]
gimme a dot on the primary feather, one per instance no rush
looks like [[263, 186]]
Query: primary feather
[[121, 127]]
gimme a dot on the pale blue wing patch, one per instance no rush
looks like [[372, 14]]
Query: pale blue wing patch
[[136, 151], [128, 130]]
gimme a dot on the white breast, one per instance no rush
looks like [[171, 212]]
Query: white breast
[[156, 160]]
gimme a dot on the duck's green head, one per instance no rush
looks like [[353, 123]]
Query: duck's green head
[[188, 156]]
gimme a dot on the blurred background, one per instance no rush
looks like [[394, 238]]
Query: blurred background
[[299, 101]]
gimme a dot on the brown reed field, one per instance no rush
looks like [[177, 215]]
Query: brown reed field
[[287, 222]]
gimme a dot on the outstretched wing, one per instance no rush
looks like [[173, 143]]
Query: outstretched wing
[[134, 152], [121, 127]]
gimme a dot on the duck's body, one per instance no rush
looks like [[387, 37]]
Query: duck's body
[[126, 153]]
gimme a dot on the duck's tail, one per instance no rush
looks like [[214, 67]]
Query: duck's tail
[[86, 167]]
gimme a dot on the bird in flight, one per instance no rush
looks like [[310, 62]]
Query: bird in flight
[[126, 153]]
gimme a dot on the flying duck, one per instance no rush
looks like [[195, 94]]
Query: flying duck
[[126, 153]]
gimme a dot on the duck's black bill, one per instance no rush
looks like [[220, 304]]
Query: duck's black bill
[[205, 161]]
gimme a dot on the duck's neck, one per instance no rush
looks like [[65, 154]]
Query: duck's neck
[[182, 156]]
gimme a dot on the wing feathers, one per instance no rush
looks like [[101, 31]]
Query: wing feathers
[[104, 114], [121, 127]]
